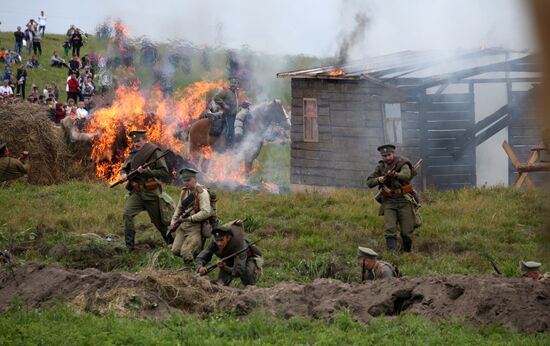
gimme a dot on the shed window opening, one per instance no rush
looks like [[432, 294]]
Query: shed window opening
[[392, 123], [311, 127]]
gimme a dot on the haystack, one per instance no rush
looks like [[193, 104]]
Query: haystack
[[27, 126]]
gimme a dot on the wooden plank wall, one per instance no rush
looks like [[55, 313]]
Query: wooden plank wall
[[350, 129], [445, 119], [524, 132]]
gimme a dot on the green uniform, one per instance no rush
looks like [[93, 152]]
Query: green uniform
[[188, 241], [230, 99], [397, 206], [11, 168], [141, 198], [245, 266], [381, 270]]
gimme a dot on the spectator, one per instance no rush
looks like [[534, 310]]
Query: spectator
[[59, 112], [12, 57], [88, 89], [73, 86], [21, 80], [66, 47], [70, 108], [7, 73], [32, 25], [6, 89], [34, 93], [57, 61], [29, 34], [81, 112], [87, 73], [37, 45], [19, 36], [42, 21], [76, 42], [32, 62], [70, 32], [74, 65]]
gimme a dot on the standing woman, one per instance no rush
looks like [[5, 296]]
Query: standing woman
[[76, 42], [21, 80]]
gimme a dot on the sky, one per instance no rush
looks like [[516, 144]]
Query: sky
[[310, 27]]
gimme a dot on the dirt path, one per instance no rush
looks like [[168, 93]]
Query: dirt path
[[478, 300]]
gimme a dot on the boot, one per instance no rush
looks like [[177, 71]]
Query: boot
[[129, 238], [407, 245], [391, 244]]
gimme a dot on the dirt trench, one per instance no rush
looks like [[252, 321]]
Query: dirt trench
[[521, 304]]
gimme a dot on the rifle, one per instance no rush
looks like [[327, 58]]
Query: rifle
[[490, 259], [363, 271], [134, 172], [389, 175], [185, 204], [212, 266]]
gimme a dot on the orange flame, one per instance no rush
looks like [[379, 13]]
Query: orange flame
[[337, 72], [164, 119]]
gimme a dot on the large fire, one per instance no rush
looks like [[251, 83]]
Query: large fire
[[165, 119]]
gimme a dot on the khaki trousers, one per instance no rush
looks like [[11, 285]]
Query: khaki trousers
[[188, 241]]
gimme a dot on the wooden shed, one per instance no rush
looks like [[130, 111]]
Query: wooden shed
[[443, 109]]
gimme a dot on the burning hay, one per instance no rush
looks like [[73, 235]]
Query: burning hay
[[26, 126]]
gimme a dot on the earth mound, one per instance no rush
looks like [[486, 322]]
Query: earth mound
[[521, 304]]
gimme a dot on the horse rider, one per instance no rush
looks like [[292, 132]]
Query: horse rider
[[228, 100]]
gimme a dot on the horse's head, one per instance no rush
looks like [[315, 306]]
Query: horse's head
[[278, 114]]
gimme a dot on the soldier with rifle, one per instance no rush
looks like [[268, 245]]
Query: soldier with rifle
[[193, 210], [142, 171], [239, 257], [373, 269], [393, 176]]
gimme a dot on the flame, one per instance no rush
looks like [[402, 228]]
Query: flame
[[165, 120], [270, 187], [336, 72]]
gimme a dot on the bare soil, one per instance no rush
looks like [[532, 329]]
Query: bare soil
[[521, 304]]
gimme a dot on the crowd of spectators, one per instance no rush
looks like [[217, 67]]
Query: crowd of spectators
[[80, 87]]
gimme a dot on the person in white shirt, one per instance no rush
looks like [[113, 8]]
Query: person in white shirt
[[81, 112], [6, 88], [42, 21]]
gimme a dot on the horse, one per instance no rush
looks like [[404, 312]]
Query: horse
[[248, 146]]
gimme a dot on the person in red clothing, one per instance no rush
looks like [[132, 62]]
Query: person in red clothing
[[59, 112], [73, 87]]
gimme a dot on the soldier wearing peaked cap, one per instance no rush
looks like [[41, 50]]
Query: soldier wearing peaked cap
[[530, 269], [230, 239], [372, 269], [192, 211], [11, 168], [146, 188], [393, 176]]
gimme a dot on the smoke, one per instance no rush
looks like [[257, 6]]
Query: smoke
[[355, 37]]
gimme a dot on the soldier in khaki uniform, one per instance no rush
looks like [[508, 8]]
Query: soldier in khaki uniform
[[230, 239], [146, 188], [194, 207], [392, 176], [374, 269], [11, 168]]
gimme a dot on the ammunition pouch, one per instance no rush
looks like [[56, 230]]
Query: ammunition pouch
[[151, 184], [404, 190]]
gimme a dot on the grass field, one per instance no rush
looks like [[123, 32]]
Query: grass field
[[304, 235], [62, 326]]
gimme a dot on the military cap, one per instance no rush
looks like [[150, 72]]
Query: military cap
[[386, 149], [366, 252], [220, 232], [529, 265], [137, 134], [186, 173]]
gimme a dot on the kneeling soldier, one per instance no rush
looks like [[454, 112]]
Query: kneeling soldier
[[228, 240], [193, 209], [373, 269]]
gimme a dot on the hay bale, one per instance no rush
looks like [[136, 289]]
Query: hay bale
[[26, 126]]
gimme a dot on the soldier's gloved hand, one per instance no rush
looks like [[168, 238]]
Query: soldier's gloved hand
[[123, 175], [141, 169], [202, 270], [391, 174], [381, 179]]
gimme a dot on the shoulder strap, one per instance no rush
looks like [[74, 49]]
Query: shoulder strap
[[143, 155]]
